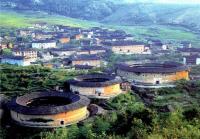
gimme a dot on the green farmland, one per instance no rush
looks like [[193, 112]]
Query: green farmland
[[11, 19], [21, 20]]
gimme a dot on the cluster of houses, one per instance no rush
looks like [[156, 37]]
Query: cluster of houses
[[81, 48]]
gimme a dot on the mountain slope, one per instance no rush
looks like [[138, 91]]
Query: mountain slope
[[83, 9], [115, 11], [188, 16]]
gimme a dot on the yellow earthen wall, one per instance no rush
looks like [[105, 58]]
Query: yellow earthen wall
[[92, 91], [67, 117], [178, 76], [113, 89]]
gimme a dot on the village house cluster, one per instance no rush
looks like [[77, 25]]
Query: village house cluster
[[44, 44]]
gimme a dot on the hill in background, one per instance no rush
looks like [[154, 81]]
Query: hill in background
[[118, 12]]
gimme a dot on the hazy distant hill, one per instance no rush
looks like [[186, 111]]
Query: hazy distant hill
[[115, 11], [84, 9], [188, 16]]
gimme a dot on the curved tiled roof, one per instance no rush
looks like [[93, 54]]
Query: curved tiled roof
[[86, 57], [23, 49], [20, 104], [94, 80], [83, 67], [45, 41], [122, 43], [166, 67]]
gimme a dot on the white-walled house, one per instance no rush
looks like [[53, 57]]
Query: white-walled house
[[44, 44], [127, 47], [25, 52], [191, 60], [64, 52], [16, 60]]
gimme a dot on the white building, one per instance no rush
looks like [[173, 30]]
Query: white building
[[127, 47], [25, 52], [44, 44], [62, 52]]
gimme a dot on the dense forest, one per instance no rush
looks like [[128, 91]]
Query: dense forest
[[127, 115]]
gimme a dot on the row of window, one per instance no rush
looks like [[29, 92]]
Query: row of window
[[145, 75], [29, 52], [130, 50]]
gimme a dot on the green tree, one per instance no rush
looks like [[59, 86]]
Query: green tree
[[73, 132], [86, 131], [7, 51], [101, 125], [138, 130]]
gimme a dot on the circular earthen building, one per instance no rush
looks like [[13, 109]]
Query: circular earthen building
[[48, 110], [101, 86], [153, 74]]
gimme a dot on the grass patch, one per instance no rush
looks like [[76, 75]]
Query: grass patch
[[12, 20], [22, 19]]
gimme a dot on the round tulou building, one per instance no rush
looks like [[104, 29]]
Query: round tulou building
[[100, 86], [48, 109], [153, 75]]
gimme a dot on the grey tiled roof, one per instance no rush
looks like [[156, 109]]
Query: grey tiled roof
[[122, 43], [19, 104], [166, 67], [88, 80]]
